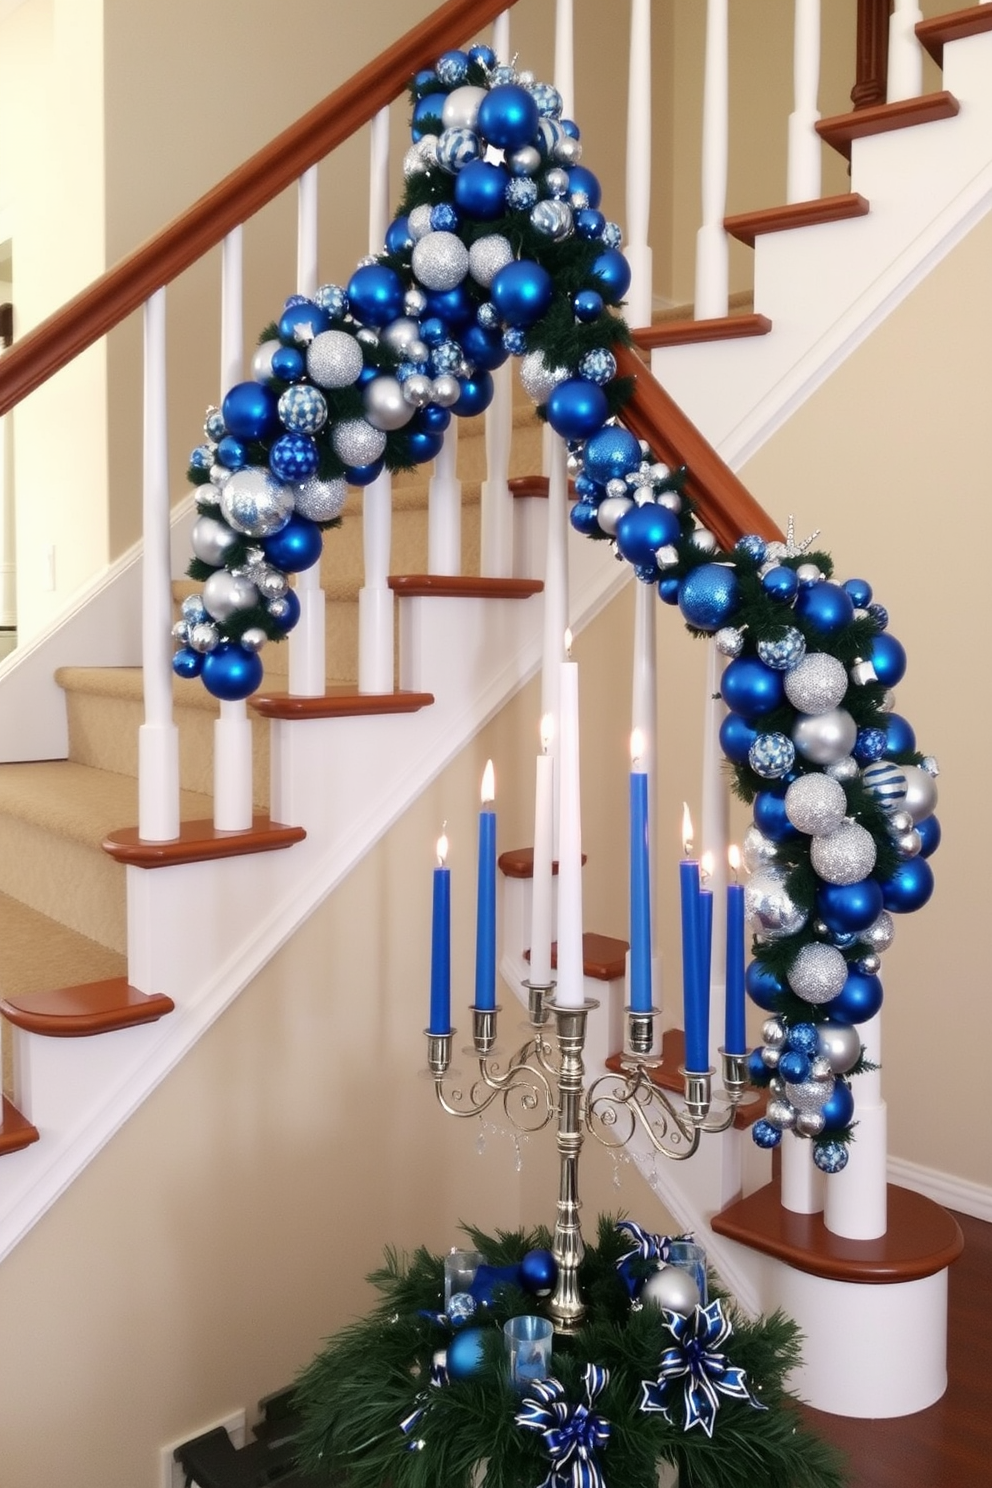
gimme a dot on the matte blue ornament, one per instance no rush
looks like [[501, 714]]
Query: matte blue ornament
[[860, 593], [669, 588], [781, 583], [583, 517], [612, 274], [909, 887], [880, 615], [830, 1157], [580, 178], [364, 475], [488, 1278], [299, 323], [736, 738], [375, 294], [231, 673], [231, 453], [766, 1135], [824, 606], [476, 395], [794, 1067], [452, 67], [427, 115], [398, 238], [804, 1038], [869, 745], [763, 987], [900, 737], [709, 596], [288, 364], [294, 547], [577, 408], [610, 453], [838, 1110], [187, 663], [929, 830], [285, 611], [847, 908], [294, 457], [250, 411], [522, 291], [858, 1000], [589, 223], [770, 816], [454, 307], [484, 348], [587, 305], [508, 117], [642, 530], [772, 756], [465, 1353], [538, 1271], [423, 445], [433, 419], [480, 189], [750, 688], [757, 1070], [888, 657]]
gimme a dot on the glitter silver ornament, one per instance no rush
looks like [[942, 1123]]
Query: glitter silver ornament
[[320, 500], [415, 302], [844, 856], [219, 475], [880, 934], [212, 540], [840, 1045], [774, 1033], [254, 638], [809, 1096], [538, 379], [356, 442], [757, 850], [567, 151], [671, 1288], [616, 487], [419, 222], [461, 107], [770, 910], [384, 404], [553, 219], [729, 642], [820, 1069], [611, 510], [781, 1114], [786, 651], [815, 804], [771, 756], [826, 737], [334, 359], [414, 164], [255, 503], [439, 261], [921, 792], [810, 1123], [225, 594], [817, 683], [261, 361], [842, 769], [818, 973]]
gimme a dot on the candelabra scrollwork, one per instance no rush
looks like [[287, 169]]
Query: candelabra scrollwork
[[520, 1083]]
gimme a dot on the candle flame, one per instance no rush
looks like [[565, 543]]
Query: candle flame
[[636, 746], [706, 865], [442, 847], [734, 857], [547, 731], [568, 644], [686, 830], [488, 784]]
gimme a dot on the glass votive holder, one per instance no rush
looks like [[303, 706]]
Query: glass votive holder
[[460, 1267], [689, 1256], [528, 1349]]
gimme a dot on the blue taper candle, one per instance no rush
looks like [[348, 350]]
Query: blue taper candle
[[735, 1035], [441, 944], [695, 1016], [485, 924]]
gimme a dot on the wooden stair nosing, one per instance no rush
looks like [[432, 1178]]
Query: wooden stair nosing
[[841, 130], [746, 226], [462, 586], [90, 1008], [518, 862], [521, 486], [200, 842], [344, 701], [604, 958], [691, 332], [668, 1076], [16, 1132], [935, 33], [921, 1240]]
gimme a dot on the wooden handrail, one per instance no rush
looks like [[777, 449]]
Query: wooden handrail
[[96, 310]]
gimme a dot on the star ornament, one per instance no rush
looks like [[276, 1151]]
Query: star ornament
[[697, 1360], [790, 548]]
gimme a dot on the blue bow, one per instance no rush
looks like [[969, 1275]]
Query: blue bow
[[439, 1377], [697, 1359], [572, 1433], [646, 1247]]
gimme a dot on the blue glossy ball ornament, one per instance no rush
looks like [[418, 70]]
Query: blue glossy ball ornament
[[294, 457], [476, 395], [859, 591], [522, 291], [483, 56], [538, 1271], [824, 606], [433, 330], [231, 453], [294, 547], [929, 830], [610, 453], [577, 408], [612, 274], [838, 1111], [900, 736], [669, 588], [508, 117], [364, 475], [642, 530], [454, 307], [483, 348], [299, 323], [880, 615], [285, 611], [847, 908], [427, 115], [589, 223], [584, 517], [423, 445], [736, 738], [480, 190], [465, 1353], [766, 1135], [770, 816], [587, 489], [250, 411], [231, 673], [750, 688], [288, 364], [187, 663], [433, 419], [793, 1067], [830, 1157], [709, 596], [375, 294], [910, 886], [398, 238], [858, 1000], [757, 1070], [888, 657], [763, 987], [581, 179], [781, 584], [425, 81], [587, 305]]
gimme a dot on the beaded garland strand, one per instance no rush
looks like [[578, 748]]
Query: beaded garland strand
[[499, 248]]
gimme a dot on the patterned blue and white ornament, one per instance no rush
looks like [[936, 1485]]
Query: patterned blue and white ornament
[[254, 502], [521, 194], [294, 457], [785, 652], [830, 1157], [772, 755], [457, 148], [598, 365]]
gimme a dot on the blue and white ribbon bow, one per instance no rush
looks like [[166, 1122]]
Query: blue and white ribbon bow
[[572, 1434], [697, 1359], [646, 1247], [409, 1424]]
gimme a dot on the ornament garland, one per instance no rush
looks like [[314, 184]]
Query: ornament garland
[[499, 248], [415, 1397]]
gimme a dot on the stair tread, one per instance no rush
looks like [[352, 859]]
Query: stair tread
[[922, 1238], [935, 33], [341, 700], [604, 958], [86, 1008], [199, 841], [78, 801], [746, 226], [689, 332], [16, 1132], [461, 586], [841, 130]]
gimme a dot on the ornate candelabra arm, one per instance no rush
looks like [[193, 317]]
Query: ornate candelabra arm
[[523, 1087], [566, 1306], [632, 1097], [735, 1084]]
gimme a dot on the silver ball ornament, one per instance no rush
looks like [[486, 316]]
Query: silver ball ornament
[[440, 261], [844, 856], [418, 390], [261, 361], [729, 641], [810, 1095], [703, 539], [224, 595], [567, 151], [757, 850], [254, 638], [900, 821], [817, 683], [781, 1114], [840, 1045], [879, 935], [611, 510], [770, 910], [219, 475], [921, 792], [334, 359], [671, 500], [400, 334], [414, 164], [553, 219], [356, 442], [672, 1289], [525, 162], [419, 222], [272, 583], [808, 573], [818, 973], [538, 379], [871, 964], [461, 107], [319, 500], [255, 503], [810, 1123], [815, 804], [415, 302], [447, 390], [212, 540], [770, 1057], [826, 737], [384, 404], [909, 844], [774, 1033], [821, 1069], [204, 637], [843, 769], [556, 182]]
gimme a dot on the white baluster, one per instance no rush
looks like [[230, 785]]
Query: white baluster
[[497, 503], [444, 509], [644, 716], [501, 37], [637, 249], [232, 731], [804, 168], [714, 840], [712, 258], [379, 181], [856, 1204], [905, 78], [565, 56], [307, 644], [375, 598], [802, 1181], [158, 737], [555, 595]]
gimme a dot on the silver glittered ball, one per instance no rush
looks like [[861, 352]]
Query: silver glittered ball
[[447, 390], [757, 850], [219, 475], [384, 404], [461, 107], [815, 804], [419, 221], [567, 151], [211, 540], [203, 637], [843, 769], [899, 821], [427, 149], [818, 973], [826, 737], [439, 261], [817, 683], [320, 500], [921, 792], [671, 1288], [880, 934], [840, 1045], [261, 361], [770, 910], [785, 651], [809, 1095], [553, 219], [609, 512], [334, 359], [729, 642], [414, 164], [538, 379], [356, 442], [781, 1114], [810, 1123], [820, 1069], [774, 1033], [255, 503], [254, 638], [224, 595], [845, 855]]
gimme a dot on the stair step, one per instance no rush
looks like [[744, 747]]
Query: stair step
[[936, 33], [841, 130], [604, 958], [746, 226], [518, 862], [462, 586], [16, 1132], [535, 485], [344, 701], [689, 332], [921, 1239], [667, 1075], [200, 841], [91, 1008]]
